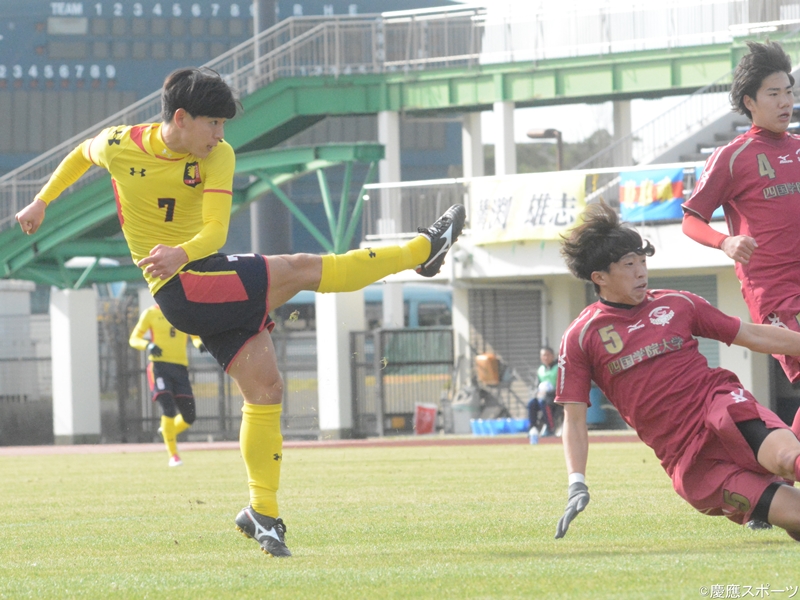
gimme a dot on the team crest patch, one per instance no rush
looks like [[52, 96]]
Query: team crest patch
[[191, 174], [661, 315]]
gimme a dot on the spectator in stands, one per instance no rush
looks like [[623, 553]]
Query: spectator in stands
[[167, 374], [173, 185], [543, 413], [725, 452], [755, 180]]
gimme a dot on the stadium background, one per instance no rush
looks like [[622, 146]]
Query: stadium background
[[66, 65]]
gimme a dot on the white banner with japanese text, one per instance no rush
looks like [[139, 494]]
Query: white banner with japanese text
[[533, 206]]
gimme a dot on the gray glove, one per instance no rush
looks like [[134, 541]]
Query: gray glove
[[578, 499]]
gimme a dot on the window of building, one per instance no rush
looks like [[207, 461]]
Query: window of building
[[118, 27], [139, 50], [158, 27], [216, 27], [119, 50], [99, 27], [77, 50], [198, 50], [159, 50], [139, 26], [100, 49], [178, 50], [197, 27]]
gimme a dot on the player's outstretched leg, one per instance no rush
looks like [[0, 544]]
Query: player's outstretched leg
[[442, 234], [268, 532], [425, 253]]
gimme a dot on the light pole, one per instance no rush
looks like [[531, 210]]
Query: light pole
[[549, 134]]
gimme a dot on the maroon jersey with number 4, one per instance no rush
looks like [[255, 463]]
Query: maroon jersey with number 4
[[756, 180], [645, 360]]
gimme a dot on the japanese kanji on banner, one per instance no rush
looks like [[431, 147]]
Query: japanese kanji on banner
[[534, 206], [654, 195]]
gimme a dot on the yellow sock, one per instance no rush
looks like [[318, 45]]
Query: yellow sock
[[358, 268], [180, 425], [261, 444], [168, 433]]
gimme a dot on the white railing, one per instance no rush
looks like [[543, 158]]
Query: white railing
[[461, 36], [678, 123]]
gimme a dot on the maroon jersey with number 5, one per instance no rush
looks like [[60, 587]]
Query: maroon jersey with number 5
[[646, 361]]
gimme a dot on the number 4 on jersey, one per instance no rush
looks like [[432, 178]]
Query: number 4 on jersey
[[764, 168]]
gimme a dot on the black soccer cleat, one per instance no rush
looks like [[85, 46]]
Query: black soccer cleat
[[442, 234], [756, 525], [268, 532]]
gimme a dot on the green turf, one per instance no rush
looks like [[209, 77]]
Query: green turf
[[415, 522]]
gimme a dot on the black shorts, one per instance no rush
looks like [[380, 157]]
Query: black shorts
[[222, 298], [168, 378]]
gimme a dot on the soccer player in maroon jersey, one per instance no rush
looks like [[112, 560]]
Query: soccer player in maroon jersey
[[756, 180], [725, 453]]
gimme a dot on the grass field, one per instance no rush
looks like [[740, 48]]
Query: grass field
[[415, 522]]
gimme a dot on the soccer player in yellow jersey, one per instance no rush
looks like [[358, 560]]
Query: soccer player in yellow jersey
[[167, 374], [173, 185]]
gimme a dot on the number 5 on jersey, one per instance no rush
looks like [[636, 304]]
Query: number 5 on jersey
[[611, 339]]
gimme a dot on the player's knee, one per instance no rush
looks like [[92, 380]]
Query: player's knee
[[270, 391], [785, 458], [189, 414], [168, 407], [275, 391]]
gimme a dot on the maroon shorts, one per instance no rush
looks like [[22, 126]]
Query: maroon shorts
[[787, 316], [719, 474], [222, 298]]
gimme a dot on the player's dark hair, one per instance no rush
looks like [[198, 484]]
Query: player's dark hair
[[599, 241], [762, 61], [199, 91]]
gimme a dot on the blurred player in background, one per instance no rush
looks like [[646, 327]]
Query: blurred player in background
[[756, 180], [167, 374], [725, 453], [173, 184]]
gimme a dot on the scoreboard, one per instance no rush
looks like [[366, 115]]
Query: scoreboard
[[106, 45], [65, 66]]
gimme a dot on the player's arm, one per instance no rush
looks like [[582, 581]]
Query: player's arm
[[74, 165], [738, 247], [768, 339], [575, 436], [137, 339]]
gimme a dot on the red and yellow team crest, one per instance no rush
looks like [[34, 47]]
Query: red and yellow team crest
[[191, 174]]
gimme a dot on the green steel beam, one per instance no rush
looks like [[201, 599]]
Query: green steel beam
[[344, 201], [650, 73], [355, 216], [327, 203]]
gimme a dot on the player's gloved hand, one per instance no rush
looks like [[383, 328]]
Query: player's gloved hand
[[578, 499], [202, 348], [154, 351]]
